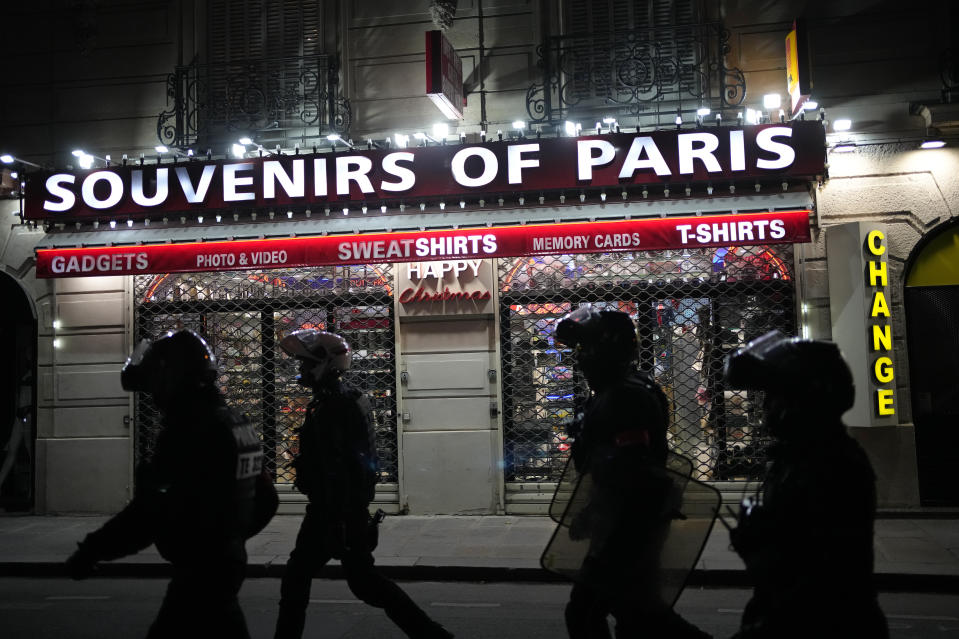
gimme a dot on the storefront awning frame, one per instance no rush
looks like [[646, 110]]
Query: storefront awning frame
[[334, 223]]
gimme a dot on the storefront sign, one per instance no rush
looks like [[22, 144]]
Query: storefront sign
[[859, 314], [647, 234], [412, 175], [445, 287], [877, 280], [432, 281], [798, 81], [444, 75]]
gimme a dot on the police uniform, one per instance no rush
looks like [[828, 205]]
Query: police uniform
[[621, 444], [336, 469], [808, 544], [195, 499], [809, 547]]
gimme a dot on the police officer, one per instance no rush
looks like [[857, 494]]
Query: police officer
[[195, 498], [807, 542], [620, 446], [336, 468]]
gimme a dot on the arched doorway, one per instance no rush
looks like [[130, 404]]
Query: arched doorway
[[18, 373], [931, 297]]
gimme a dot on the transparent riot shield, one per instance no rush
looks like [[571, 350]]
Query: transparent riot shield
[[564, 491], [638, 545]]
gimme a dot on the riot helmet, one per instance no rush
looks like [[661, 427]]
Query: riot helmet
[[175, 362], [803, 380], [604, 342], [322, 355]]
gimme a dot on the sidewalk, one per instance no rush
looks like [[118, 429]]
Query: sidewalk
[[912, 554]]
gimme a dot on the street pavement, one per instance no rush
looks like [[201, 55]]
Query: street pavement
[[915, 552], [51, 608]]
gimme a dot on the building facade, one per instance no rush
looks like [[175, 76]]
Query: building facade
[[445, 258]]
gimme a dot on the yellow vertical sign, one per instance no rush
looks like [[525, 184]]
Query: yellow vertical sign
[[798, 83], [792, 66], [877, 278]]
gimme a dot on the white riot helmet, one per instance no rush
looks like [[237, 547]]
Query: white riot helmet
[[330, 353]]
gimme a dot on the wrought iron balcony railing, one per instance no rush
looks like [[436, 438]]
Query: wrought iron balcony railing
[[647, 74], [274, 100]]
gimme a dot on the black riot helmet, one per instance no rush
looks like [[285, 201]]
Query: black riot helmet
[[803, 380], [324, 356], [175, 362], [604, 342]]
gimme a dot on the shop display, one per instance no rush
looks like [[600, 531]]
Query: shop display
[[244, 314], [691, 307]]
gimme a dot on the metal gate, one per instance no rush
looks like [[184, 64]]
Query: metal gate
[[691, 307], [244, 314]]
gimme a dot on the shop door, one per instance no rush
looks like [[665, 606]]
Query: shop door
[[932, 317], [243, 315], [18, 341], [691, 309], [931, 298]]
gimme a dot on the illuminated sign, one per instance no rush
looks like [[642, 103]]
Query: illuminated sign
[[798, 82], [413, 175], [431, 284], [877, 280], [647, 234], [444, 75]]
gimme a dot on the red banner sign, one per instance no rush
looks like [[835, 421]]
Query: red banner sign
[[646, 234], [444, 75], [431, 173]]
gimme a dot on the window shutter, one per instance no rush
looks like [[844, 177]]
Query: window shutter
[[256, 29], [597, 56], [263, 73]]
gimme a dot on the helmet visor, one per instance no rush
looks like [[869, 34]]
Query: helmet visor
[[754, 366], [573, 329], [293, 346], [135, 374]]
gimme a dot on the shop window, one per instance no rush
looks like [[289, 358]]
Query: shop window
[[691, 308], [244, 314]]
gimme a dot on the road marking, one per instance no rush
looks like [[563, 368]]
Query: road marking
[[730, 611], [78, 598], [336, 602], [464, 604]]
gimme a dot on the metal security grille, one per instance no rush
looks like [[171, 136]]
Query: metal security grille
[[691, 307], [244, 314]]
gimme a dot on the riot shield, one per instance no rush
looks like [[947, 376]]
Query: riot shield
[[564, 491], [667, 544]]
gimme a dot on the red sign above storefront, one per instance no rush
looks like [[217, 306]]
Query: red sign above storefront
[[444, 75], [648, 234], [795, 150]]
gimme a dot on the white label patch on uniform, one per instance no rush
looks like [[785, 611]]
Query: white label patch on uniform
[[249, 464]]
